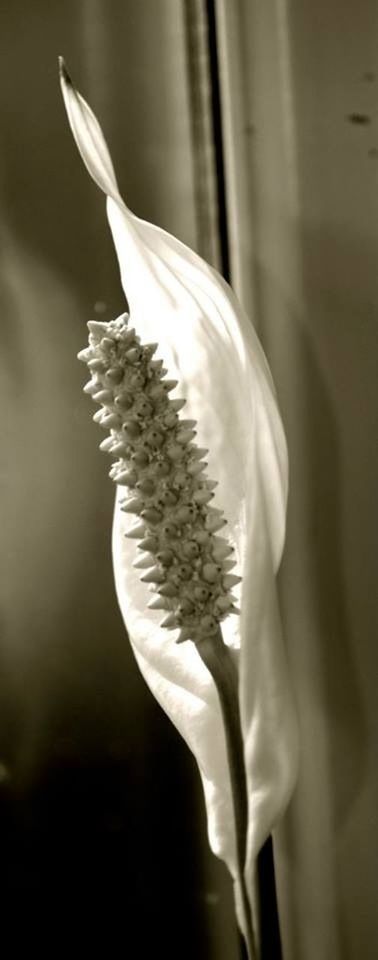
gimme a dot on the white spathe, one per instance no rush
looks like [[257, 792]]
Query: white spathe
[[209, 345]]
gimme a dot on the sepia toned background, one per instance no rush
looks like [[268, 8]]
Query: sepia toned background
[[101, 813]]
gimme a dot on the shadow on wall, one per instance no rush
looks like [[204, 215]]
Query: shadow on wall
[[334, 687], [338, 470], [325, 401], [326, 379], [313, 589]]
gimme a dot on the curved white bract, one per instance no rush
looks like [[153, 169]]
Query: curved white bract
[[209, 345]]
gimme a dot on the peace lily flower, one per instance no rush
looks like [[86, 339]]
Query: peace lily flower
[[215, 364]]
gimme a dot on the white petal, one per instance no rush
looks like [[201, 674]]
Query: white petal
[[91, 143], [209, 345], [182, 685]]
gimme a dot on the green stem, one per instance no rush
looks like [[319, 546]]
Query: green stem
[[217, 658]]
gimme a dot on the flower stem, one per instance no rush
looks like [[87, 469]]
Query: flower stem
[[217, 658]]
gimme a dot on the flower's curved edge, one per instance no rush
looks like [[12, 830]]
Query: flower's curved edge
[[105, 179], [93, 148]]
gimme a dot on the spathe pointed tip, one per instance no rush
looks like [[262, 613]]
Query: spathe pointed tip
[[63, 72], [88, 136]]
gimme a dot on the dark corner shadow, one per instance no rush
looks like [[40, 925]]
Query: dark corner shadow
[[101, 845]]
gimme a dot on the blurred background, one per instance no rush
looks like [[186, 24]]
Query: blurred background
[[251, 132]]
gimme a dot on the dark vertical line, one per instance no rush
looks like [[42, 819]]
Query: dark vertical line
[[202, 132], [269, 922], [218, 139], [270, 939]]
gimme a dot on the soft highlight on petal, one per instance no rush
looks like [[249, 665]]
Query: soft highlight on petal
[[208, 344], [91, 143], [183, 687]]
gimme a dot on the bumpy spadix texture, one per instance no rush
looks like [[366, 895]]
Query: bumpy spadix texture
[[209, 346], [164, 473]]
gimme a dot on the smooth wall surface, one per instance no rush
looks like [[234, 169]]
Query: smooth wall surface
[[300, 94]]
